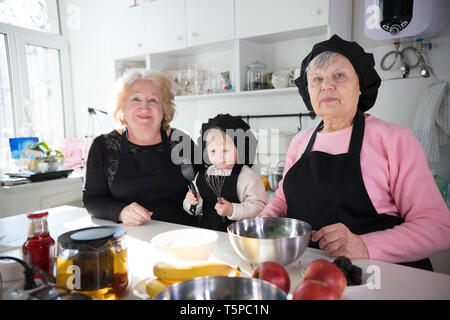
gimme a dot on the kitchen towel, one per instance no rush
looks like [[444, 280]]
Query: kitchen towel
[[432, 123]]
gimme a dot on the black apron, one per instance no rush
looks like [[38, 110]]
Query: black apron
[[210, 219], [324, 189], [152, 180]]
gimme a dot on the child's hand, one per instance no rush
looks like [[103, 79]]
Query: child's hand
[[191, 199], [225, 208]]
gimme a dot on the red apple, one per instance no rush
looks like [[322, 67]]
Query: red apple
[[274, 273], [314, 290], [328, 272]]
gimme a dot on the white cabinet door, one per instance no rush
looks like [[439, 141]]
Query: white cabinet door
[[165, 25], [209, 21], [124, 29], [260, 17]]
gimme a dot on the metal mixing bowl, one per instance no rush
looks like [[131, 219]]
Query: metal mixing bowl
[[222, 288], [282, 240]]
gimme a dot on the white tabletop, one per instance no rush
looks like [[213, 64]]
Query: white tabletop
[[386, 280]]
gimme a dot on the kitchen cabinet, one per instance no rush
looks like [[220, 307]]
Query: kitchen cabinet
[[177, 24], [126, 39], [165, 25], [256, 17], [209, 21], [213, 37]]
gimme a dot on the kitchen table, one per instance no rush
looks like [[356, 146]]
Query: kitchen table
[[386, 280]]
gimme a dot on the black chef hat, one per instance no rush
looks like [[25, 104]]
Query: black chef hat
[[232, 124], [363, 62]]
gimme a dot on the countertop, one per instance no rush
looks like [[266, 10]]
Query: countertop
[[386, 280]]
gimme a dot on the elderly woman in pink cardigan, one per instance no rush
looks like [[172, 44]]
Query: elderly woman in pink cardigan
[[362, 183]]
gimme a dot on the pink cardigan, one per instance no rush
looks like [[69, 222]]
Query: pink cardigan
[[397, 178]]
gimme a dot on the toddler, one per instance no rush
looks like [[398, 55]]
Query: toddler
[[229, 148]]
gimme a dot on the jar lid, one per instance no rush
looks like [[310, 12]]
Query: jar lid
[[92, 237], [256, 64], [92, 234], [37, 214]]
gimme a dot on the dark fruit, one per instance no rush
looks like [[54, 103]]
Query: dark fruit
[[356, 275], [352, 273], [343, 263]]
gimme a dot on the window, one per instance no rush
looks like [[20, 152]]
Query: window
[[34, 74], [44, 82], [6, 114], [39, 15]]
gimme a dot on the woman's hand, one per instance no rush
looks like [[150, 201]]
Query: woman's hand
[[337, 240], [134, 214], [263, 215], [225, 208], [191, 199]]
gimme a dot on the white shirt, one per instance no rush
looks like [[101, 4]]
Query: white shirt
[[250, 191]]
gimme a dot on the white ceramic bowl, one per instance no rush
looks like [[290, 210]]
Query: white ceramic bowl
[[186, 244]]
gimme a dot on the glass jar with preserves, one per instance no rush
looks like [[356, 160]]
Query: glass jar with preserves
[[93, 261], [39, 248]]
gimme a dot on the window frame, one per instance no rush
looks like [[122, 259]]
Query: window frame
[[16, 39]]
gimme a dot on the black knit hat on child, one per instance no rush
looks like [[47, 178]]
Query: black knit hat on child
[[238, 130]]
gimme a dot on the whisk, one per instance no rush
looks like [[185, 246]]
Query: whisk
[[215, 180]]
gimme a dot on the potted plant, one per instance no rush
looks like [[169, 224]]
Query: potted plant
[[52, 158]]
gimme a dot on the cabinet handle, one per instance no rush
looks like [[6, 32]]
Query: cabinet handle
[[179, 38], [195, 34], [317, 11]]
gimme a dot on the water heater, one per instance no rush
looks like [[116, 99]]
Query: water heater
[[405, 19]]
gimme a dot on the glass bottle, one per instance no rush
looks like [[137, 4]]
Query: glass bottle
[[39, 248]]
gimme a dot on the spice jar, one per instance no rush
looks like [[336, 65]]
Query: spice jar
[[93, 261], [39, 248]]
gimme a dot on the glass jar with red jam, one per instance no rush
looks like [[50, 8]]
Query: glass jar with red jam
[[39, 248]]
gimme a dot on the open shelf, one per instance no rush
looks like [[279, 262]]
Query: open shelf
[[281, 91]]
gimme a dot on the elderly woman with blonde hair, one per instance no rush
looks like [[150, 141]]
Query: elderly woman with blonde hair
[[133, 173]]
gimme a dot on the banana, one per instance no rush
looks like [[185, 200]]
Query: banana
[[166, 271], [155, 286]]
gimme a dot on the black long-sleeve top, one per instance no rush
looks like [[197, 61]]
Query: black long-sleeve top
[[101, 168]]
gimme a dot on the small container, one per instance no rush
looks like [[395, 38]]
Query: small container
[[255, 76], [93, 261], [39, 248], [264, 179]]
